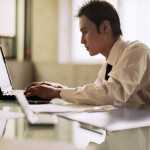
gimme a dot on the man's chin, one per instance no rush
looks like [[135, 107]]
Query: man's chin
[[91, 53]]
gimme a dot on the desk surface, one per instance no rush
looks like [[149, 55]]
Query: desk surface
[[70, 132], [20, 129], [7, 144], [116, 120], [65, 131]]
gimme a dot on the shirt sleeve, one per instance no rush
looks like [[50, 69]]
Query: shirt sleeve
[[88, 94], [124, 80]]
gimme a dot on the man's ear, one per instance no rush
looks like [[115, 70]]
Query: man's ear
[[105, 27]]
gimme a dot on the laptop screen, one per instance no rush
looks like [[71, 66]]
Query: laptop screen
[[5, 83]]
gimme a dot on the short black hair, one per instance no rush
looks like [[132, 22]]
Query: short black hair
[[97, 11]]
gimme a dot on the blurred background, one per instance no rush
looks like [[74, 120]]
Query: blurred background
[[41, 39]]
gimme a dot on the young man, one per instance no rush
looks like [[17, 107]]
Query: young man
[[123, 79]]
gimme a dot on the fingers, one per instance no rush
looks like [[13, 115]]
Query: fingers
[[42, 89], [34, 84], [53, 84], [31, 91], [36, 90]]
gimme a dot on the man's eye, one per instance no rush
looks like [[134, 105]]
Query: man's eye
[[84, 32]]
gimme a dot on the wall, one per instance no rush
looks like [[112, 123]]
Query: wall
[[44, 30], [20, 73], [68, 74]]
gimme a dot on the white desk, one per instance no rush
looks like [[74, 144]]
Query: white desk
[[115, 120], [136, 138], [126, 128]]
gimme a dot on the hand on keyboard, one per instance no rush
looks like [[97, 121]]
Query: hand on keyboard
[[44, 91]]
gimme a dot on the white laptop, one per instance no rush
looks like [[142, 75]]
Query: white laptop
[[6, 87], [7, 93]]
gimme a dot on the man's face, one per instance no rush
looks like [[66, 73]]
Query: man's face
[[94, 41]]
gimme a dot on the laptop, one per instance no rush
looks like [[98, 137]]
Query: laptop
[[8, 93], [6, 88]]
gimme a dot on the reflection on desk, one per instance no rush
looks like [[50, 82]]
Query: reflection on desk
[[35, 145], [65, 131], [127, 128], [70, 132]]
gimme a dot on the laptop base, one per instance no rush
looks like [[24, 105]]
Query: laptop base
[[31, 100]]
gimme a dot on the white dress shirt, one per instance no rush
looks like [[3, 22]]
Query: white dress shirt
[[129, 79]]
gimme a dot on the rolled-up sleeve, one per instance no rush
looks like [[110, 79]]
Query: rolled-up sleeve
[[88, 94]]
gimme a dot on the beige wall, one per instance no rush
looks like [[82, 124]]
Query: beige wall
[[70, 75], [44, 30], [20, 73]]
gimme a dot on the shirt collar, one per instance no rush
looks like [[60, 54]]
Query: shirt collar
[[116, 51]]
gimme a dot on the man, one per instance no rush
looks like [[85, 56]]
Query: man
[[123, 79]]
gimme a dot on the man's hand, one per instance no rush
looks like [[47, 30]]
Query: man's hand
[[43, 90], [49, 83]]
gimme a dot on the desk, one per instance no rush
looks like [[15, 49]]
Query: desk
[[126, 128], [65, 131], [71, 132]]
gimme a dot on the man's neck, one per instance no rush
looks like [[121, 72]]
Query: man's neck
[[110, 45]]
